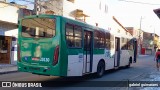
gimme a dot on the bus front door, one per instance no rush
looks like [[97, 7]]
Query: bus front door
[[117, 52], [135, 50], [88, 51]]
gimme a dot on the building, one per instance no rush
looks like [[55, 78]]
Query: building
[[159, 43], [94, 14], [118, 28], [157, 12], [147, 43], [8, 32], [138, 35], [155, 41]]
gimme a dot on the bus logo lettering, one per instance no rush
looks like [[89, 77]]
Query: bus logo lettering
[[44, 59]]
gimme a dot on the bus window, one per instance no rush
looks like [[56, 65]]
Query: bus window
[[78, 36], [96, 39], [27, 32], [112, 41], [102, 39], [125, 44], [123, 47], [130, 44], [69, 35], [38, 27], [74, 36], [107, 44], [99, 39], [50, 32], [41, 32]]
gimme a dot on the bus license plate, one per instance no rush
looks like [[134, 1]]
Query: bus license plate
[[35, 58]]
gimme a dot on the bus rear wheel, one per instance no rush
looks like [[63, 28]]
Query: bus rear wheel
[[100, 69]]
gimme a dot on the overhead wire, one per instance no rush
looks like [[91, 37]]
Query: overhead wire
[[139, 2]]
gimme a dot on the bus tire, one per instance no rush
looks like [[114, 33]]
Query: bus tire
[[100, 69]]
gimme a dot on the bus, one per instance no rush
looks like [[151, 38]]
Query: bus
[[57, 46]]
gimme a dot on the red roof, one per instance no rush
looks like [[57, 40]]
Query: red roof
[[157, 11]]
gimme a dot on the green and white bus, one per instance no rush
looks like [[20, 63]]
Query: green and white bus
[[58, 46]]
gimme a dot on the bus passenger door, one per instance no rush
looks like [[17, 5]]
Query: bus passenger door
[[88, 51], [117, 52], [135, 49]]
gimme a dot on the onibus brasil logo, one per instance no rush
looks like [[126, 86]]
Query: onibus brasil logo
[[20, 84]]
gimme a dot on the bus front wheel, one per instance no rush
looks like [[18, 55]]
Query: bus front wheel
[[100, 69]]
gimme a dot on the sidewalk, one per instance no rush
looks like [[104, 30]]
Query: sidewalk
[[7, 68], [144, 55]]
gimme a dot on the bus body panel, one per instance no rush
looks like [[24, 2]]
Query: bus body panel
[[124, 57], [109, 58], [71, 61], [75, 65], [37, 54]]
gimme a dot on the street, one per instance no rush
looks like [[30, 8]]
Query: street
[[138, 71]]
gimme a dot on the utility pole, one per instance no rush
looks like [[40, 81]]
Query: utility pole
[[139, 36], [154, 42], [140, 27], [140, 23], [37, 7]]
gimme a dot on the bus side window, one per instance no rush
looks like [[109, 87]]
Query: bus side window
[[96, 42], [78, 36], [69, 42], [69, 35], [99, 39], [73, 36], [102, 39], [112, 41], [130, 44], [123, 47], [107, 43], [125, 44]]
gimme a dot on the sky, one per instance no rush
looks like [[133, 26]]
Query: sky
[[28, 3], [130, 13]]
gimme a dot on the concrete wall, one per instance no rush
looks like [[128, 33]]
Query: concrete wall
[[8, 29], [118, 28], [134, 31], [8, 26], [95, 9], [54, 5], [8, 13]]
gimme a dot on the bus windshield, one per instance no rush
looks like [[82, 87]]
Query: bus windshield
[[38, 28]]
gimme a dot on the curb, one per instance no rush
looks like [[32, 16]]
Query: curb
[[145, 56], [8, 72]]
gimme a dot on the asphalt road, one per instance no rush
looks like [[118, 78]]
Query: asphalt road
[[144, 66]]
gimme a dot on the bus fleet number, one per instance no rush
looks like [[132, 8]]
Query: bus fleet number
[[45, 59]]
